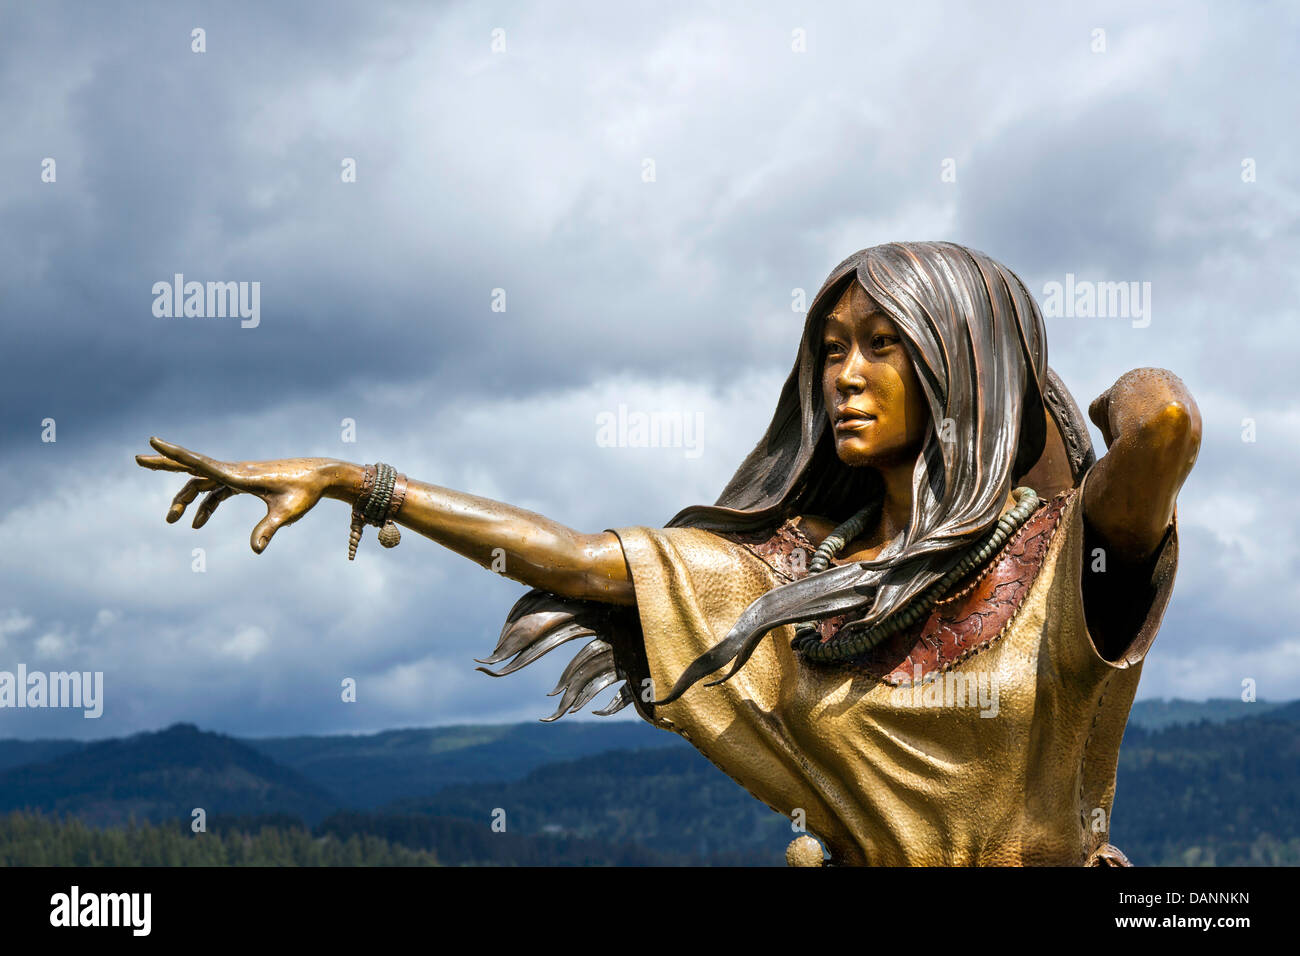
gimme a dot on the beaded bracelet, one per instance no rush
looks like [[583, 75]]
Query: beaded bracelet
[[380, 499]]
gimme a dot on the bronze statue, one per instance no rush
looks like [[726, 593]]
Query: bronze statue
[[932, 602]]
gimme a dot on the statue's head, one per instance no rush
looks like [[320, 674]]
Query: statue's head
[[943, 346], [946, 350]]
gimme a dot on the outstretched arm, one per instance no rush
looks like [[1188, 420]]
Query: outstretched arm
[[534, 549], [527, 547]]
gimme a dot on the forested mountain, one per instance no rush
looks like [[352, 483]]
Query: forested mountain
[[370, 770], [1223, 790], [162, 776]]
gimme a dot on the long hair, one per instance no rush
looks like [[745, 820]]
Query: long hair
[[976, 340]]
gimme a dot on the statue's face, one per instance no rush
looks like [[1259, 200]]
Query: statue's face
[[878, 412]]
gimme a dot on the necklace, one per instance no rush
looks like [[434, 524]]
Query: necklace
[[844, 646]]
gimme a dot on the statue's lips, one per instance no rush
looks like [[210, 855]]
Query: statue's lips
[[851, 420]]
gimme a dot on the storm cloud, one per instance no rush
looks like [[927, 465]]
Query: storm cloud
[[503, 152]]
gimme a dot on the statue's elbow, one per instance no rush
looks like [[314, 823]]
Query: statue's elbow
[[1172, 433]]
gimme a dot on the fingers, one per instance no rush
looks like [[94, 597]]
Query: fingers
[[1099, 412], [195, 462], [209, 504], [193, 488], [268, 526], [160, 463]]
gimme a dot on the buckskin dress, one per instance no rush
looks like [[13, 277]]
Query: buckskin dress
[[888, 771]]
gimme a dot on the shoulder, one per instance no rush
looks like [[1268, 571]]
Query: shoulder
[[692, 551]]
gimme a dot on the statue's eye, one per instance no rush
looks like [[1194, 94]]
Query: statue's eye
[[883, 341], [834, 349]]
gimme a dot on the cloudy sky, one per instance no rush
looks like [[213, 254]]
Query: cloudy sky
[[1108, 142]]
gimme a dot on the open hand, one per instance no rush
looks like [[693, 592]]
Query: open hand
[[290, 487]]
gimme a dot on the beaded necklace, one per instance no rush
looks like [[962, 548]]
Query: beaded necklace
[[848, 644]]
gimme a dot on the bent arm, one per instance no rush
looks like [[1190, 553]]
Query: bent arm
[[1152, 429], [523, 546]]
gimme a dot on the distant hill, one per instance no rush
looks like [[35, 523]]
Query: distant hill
[[15, 753], [1159, 713], [371, 770], [368, 770], [161, 776]]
